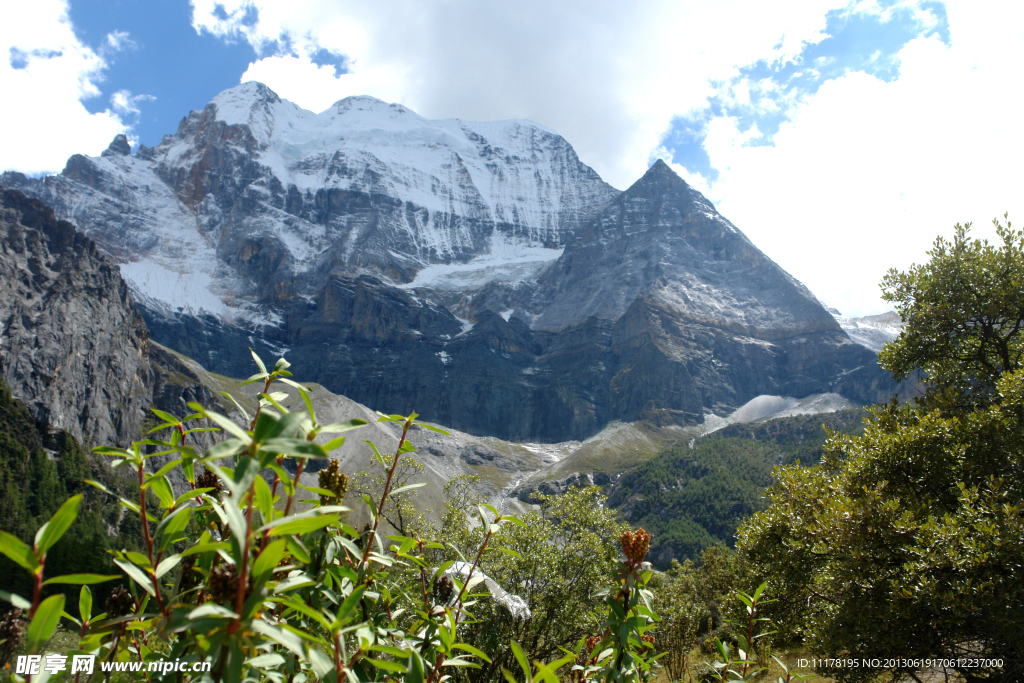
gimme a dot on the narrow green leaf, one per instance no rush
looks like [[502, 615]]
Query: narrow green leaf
[[206, 548], [520, 656], [80, 579], [231, 398], [349, 604], [137, 575], [309, 404], [225, 423], [44, 623], [283, 637], [18, 552], [210, 609], [407, 487], [270, 661], [296, 448], [339, 427], [85, 604], [302, 608], [225, 449], [166, 468], [317, 491], [166, 417], [545, 673], [387, 665], [471, 650], [284, 380], [113, 452], [259, 363], [16, 600], [432, 428], [334, 444], [264, 501], [139, 559], [269, 557], [163, 491], [304, 526], [58, 524], [167, 564]]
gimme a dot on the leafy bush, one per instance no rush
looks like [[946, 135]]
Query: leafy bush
[[906, 543], [224, 575]]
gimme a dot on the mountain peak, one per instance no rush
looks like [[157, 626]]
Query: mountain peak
[[661, 172], [119, 146], [235, 105]]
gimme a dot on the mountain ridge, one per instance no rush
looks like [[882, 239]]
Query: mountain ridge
[[478, 273]]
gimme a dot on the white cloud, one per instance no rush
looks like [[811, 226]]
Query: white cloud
[[867, 173], [608, 76], [119, 40], [316, 87], [126, 104], [43, 115], [861, 178]]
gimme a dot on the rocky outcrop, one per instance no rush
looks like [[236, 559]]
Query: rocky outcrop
[[72, 346], [529, 491]]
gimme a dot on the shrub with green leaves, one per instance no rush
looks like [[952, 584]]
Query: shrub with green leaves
[[233, 572], [906, 543]]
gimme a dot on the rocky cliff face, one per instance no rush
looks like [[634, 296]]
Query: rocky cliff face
[[254, 200], [479, 274], [72, 345]]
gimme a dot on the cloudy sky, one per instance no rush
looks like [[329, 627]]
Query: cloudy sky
[[842, 138]]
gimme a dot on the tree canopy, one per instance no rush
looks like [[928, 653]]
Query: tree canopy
[[963, 313], [908, 541]]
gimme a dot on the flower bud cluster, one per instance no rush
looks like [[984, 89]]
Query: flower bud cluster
[[635, 545], [334, 481]]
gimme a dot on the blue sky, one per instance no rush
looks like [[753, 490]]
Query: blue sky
[[841, 137], [761, 95], [163, 58]]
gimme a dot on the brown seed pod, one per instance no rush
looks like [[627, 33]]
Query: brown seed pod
[[443, 589], [648, 641], [223, 583], [209, 480], [285, 561], [190, 576], [12, 632], [120, 604]]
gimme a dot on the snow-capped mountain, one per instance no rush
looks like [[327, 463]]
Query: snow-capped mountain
[[478, 273], [873, 331], [257, 200]]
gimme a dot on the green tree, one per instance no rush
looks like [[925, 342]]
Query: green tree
[[963, 313], [908, 541], [557, 561]]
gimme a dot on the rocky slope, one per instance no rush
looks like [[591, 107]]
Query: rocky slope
[[477, 273], [872, 331], [72, 345]]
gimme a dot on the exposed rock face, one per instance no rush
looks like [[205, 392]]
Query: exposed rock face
[[72, 345], [257, 200], [479, 274]]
